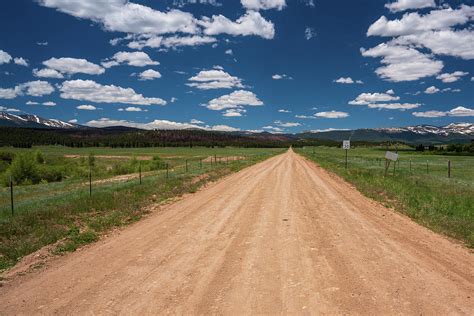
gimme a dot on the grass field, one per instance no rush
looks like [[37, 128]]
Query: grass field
[[418, 186], [64, 213]]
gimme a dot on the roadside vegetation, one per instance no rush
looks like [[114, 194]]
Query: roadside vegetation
[[418, 186], [61, 211]]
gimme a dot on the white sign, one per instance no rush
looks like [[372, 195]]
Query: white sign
[[391, 156], [346, 144]]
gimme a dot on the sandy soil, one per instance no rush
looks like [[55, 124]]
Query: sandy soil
[[281, 237]]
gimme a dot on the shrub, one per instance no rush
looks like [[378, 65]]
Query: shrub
[[24, 169]]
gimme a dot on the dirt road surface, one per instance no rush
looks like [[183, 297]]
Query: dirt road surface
[[280, 237]]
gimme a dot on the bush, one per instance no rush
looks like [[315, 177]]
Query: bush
[[24, 169]]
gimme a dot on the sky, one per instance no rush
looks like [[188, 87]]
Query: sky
[[282, 66]]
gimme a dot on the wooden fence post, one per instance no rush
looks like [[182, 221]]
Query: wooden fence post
[[11, 196], [140, 171], [449, 168], [90, 181]]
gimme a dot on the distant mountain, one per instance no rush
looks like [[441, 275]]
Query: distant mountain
[[33, 121], [426, 134]]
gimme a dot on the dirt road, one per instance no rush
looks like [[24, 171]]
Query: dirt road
[[282, 236]]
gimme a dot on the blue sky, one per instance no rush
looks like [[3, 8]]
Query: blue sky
[[274, 65]]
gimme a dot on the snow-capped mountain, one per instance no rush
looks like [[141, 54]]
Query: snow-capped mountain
[[453, 128], [32, 121]]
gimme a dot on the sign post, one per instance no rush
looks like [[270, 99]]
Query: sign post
[[390, 156], [346, 145]]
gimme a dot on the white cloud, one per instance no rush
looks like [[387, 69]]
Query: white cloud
[[171, 41], [446, 42], [459, 111], [86, 107], [195, 121], [70, 66], [73, 121], [229, 52], [42, 43], [348, 80], [137, 59], [88, 90], [49, 103], [413, 23], [236, 99], [327, 130], [263, 4], [284, 111], [252, 23], [394, 106], [431, 90], [32, 103], [280, 77], [309, 3], [287, 124], [32, 88], [234, 112], [20, 61], [182, 3], [157, 124], [309, 33], [133, 109], [273, 128], [47, 73], [214, 79], [370, 98], [451, 77], [149, 74], [6, 109], [332, 114], [173, 100], [403, 63], [127, 17], [402, 5], [5, 57]]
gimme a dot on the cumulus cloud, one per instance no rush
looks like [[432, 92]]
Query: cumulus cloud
[[88, 90], [157, 124], [287, 124], [451, 77], [459, 111], [284, 111], [21, 61], [170, 41], [214, 79], [431, 90], [280, 77], [137, 59], [370, 98], [394, 106], [402, 5], [195, 121], [86, 107], [234, 112], [149, 74], [348, 80], [309, 33], [6, 109], [49, 103], [251, 23], [273, 128], [403, 63], [332, 114], [263, 4], [5, 57], [36, 88], [70, 66], [413, 23], [47, 73], [234, 100]]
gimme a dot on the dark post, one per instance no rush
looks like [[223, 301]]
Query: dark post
[[140, 171], [90, 181], [215, 159], [346, 158], [449, 168], [11, 196], [186, 165]]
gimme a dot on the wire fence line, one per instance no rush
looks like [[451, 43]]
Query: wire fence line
[[29, 198]]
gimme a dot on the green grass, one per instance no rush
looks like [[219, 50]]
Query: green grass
[[423, 190], [64, 214]]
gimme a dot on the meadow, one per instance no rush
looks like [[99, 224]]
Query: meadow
[[65, 213], [418, 185]]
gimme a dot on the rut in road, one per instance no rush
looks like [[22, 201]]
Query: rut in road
[[283, 236]]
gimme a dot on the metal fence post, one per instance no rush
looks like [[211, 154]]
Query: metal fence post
[[449, 168], [11, 196]]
